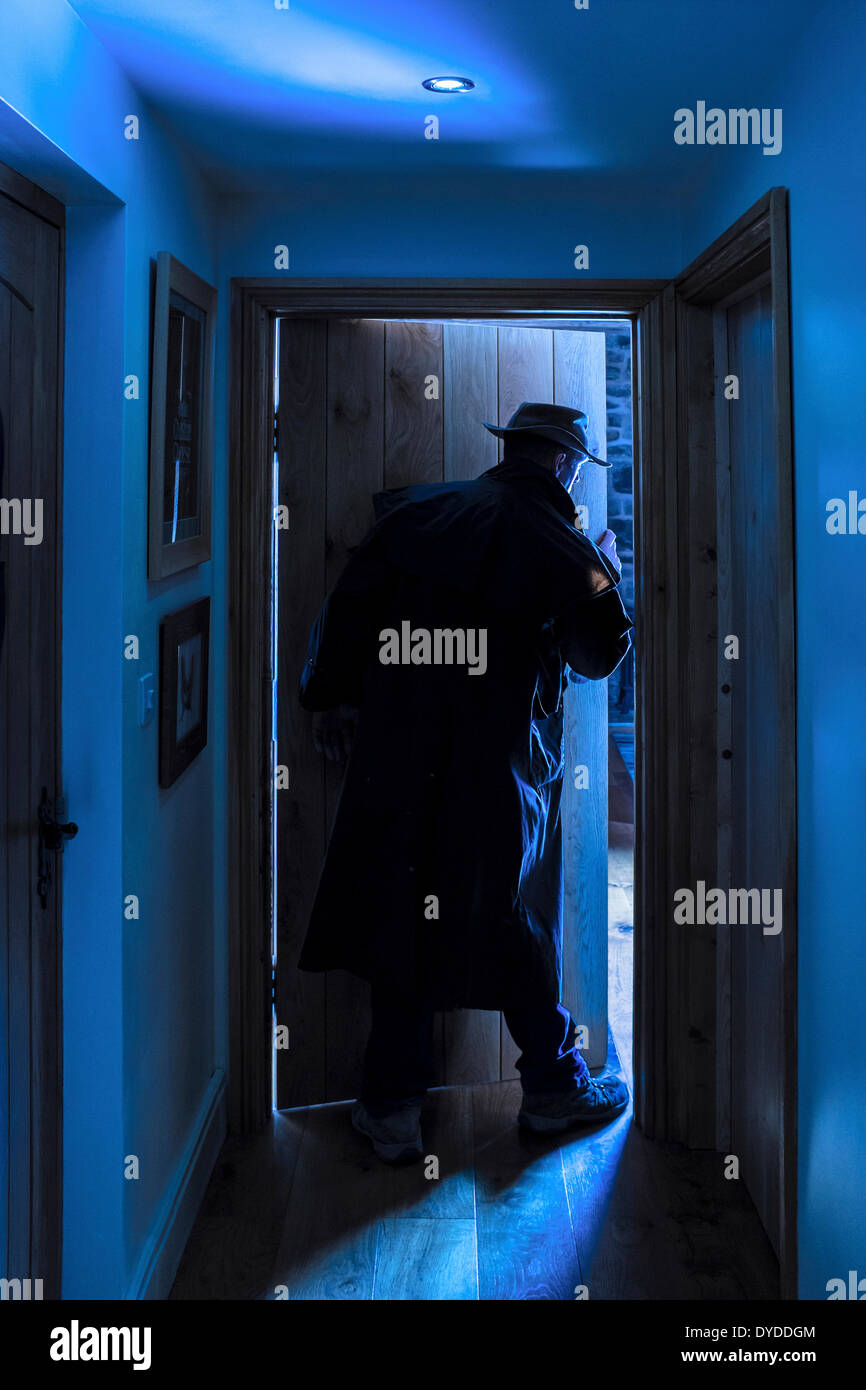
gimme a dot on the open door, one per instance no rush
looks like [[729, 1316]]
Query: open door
[[30, 1017], [359, 412], [715, 1001], [685, 1009], [580, 377]]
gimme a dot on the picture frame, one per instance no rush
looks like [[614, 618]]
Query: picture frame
[[180, 470], [183, 688]]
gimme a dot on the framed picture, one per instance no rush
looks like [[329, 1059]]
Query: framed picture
[[181, 419], [183, 688]]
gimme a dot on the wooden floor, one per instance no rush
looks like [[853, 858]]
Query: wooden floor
[[304, 1210]]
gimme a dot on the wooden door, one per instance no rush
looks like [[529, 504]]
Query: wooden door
[[715, 1004], [755, 692], [579, 364], [30, 1033], [366, 405]]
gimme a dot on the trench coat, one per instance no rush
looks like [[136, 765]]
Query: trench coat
[[443, 874]]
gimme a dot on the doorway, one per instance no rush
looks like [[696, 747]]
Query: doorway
[[370, 404], [680, 1042]]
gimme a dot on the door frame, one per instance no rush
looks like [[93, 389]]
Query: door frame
[[675, 687], [255, 303], [45, 1193]]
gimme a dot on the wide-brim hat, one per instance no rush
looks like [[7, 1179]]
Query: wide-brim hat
[[561, 423]]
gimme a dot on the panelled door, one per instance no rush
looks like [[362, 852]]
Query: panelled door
[[365, 405], [30, 1034]]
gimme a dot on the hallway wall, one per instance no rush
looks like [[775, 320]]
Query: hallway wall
[[824, 102], [482, 223], [140, 1047]]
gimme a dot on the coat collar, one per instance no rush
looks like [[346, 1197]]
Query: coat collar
[[520, 466]]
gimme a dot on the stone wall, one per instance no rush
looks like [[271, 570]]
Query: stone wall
[[620, 500], [620, 494]]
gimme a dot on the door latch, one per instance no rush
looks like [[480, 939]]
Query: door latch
[[53, 834]]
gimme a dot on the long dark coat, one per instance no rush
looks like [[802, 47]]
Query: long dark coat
[[443, 875]]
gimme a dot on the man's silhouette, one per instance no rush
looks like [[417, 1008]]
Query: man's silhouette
[[443, 877]]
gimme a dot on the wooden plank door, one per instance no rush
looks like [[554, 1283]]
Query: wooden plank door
[[30, 496], [356, 415], [579, 367], [363, 405], [525, 370], [751, 840], [299, 809]]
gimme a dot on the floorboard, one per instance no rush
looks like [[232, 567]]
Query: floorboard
[[446, 1126], [426, 1260], [234, 1241], [526, 1245], [304, 1210], [329, 1237]]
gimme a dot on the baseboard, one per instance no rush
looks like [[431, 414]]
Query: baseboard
[[170, 1228]]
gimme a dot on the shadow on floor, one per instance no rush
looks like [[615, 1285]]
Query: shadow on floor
[[305, 1211]]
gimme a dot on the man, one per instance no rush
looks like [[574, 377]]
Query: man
[[440, 660]]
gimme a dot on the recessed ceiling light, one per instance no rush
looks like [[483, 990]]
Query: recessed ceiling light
[[448, 84]]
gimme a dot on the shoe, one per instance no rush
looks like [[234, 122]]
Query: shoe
[[396, 1138], [599, 1101]]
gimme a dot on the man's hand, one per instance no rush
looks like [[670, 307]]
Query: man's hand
[[607, 543], [333, 730]]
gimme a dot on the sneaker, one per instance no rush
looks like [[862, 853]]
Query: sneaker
[[599, 1101], [396, 1138]]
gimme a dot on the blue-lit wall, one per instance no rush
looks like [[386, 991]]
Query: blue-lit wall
[[824, 99], [140, 1041], [473, 222]]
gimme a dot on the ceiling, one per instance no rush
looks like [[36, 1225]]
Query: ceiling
[[255, 92]]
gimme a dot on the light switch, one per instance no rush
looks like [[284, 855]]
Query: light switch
[[145, 699]]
